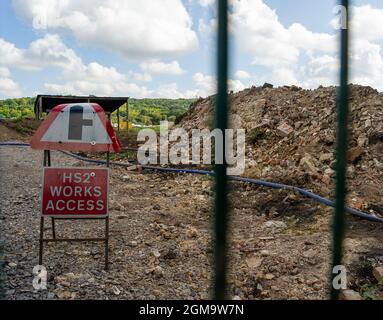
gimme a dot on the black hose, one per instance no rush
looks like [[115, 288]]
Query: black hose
[[260, 183]]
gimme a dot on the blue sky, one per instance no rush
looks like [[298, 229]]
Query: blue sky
[[167, 48]]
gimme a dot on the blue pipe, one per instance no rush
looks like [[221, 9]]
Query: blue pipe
[[260, 183]]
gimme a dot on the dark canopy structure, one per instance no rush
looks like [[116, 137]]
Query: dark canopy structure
[[45, 103]]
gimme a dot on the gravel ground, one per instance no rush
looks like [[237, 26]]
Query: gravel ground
[[160, 245]]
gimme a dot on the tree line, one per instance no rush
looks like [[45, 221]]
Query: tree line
[[141, 111]]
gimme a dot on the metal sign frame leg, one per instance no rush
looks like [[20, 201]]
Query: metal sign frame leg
[[46, 162], [107, 243], [41, 241]]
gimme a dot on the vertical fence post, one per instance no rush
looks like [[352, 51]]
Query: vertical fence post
[[341, 148], [221, 120], [118, 119], [127, 115]]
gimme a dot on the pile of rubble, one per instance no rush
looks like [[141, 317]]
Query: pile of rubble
[[291, 136]]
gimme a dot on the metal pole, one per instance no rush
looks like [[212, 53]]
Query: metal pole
[[41, 240], [118, 120], [127, 115], [37, 111], [45, 161], [221, 120], [48, 163], [341, 150], [107, 229], [107, 218], [107, 243]]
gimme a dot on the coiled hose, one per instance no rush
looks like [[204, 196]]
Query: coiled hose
[[260, 183]]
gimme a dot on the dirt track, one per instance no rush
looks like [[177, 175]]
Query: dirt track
[[160, 239]]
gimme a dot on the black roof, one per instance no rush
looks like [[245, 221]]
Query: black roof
[[109, 104]]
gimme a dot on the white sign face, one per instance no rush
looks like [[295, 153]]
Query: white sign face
[[77, 123]]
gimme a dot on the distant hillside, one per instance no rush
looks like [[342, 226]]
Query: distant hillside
[[141, 111], [152, 111], [17, 108]]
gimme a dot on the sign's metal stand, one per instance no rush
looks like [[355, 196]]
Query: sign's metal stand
[[47, 163]]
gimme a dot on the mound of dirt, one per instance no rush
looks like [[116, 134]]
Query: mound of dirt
[[7, 134], [291, 135], [21, 129]]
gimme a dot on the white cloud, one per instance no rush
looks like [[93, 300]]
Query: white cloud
[[44, 52], [235, 85], [321, 70], [76, 77], [91, 87], [259, 32], [241, 74], [9, 53], [367, 64], [159, 67], [169, 90], [8, 87], [4, 72], [98, 80], [296, 55], [135, 29], [284, 76], [304, 39], [206, 85], [141, 77], [290, 54]]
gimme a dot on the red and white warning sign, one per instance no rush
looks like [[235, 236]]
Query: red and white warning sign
[[75, 192], [76, 127]]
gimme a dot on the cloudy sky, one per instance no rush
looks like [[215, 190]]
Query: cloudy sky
[[166, 48]]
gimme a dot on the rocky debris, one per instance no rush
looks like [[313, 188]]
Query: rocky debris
[[133, 243], [158, 272], [290, 135], [285, 130], [267, 85], [326, 157], [349, 295], [375, 137], [156, 253], [354, 154], [192, 232], [265, 253], [254, 262], [275, 224], [309, 164], [116, 291], [310, 253], [378, 273]]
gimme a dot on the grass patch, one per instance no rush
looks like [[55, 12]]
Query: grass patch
[[372, 291], [255, 135]]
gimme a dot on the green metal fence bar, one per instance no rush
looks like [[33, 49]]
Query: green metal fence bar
[[221, 121], [341, 149]]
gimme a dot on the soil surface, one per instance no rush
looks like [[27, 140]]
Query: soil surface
[[160, 239]]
